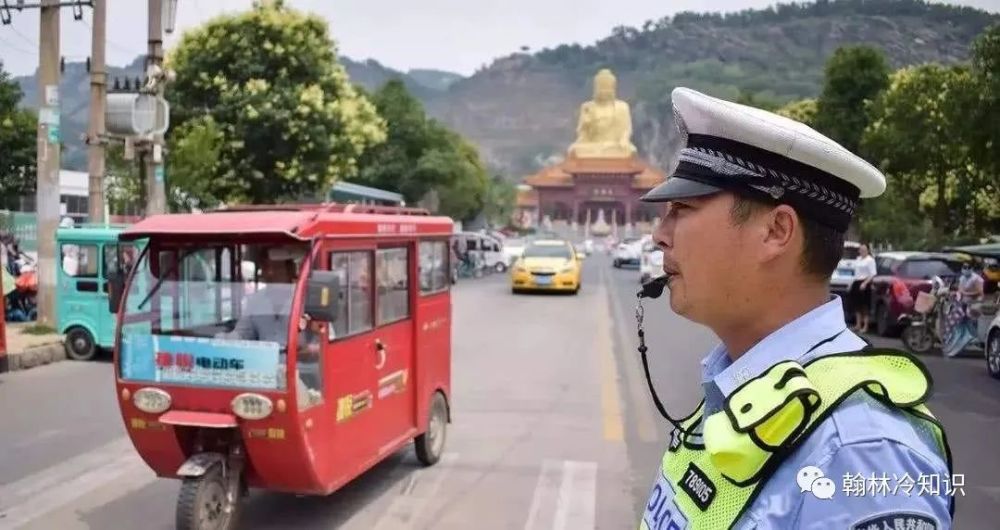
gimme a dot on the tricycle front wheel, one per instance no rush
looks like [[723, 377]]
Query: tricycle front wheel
[[203, 504]]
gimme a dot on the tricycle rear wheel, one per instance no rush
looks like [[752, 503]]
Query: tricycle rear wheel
[[430, 445], [202, 503]]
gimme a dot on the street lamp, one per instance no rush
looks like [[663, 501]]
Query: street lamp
[[169, 15]]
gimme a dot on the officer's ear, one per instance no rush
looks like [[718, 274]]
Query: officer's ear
[[782, 229]]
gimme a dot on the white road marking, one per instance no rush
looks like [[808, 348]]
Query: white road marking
[[565, 496], [417, 494], [36, 495], [39, 437], [577, 496]]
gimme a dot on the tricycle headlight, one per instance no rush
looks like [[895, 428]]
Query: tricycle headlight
[[151, 400], [251, 406]]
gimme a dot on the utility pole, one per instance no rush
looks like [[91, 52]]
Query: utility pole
[[47, 188], [156, 195], [98, 101]]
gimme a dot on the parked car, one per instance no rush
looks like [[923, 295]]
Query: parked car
[[513, 248], [992, 341], [629, 251], [901, 276], [843, 276], [651, 263], [488, 248]]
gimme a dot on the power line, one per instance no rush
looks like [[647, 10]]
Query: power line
[[119, 47], [9, 46], [24, 37]]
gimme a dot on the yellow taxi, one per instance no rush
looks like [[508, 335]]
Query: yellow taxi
[[547, 265]]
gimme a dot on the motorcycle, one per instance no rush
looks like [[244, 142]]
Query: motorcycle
[[20, 302], [925, 326]]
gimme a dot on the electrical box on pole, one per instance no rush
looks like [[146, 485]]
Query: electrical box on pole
[[132, 114]]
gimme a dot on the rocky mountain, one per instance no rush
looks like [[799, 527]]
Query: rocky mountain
[[521, 110]]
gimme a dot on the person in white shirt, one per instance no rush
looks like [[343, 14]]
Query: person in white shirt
[[860, 296]]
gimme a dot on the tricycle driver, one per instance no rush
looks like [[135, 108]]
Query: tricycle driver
[[266, 314]]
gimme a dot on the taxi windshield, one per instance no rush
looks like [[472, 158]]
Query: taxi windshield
[[221, 309], [548, 251]]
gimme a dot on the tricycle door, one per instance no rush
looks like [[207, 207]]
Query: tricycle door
[[81, 299], [392, 342], [346, 428]]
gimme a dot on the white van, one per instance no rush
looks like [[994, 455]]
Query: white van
[[843, 276], [489, 248]]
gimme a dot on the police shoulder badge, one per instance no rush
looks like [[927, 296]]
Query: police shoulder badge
[[898, 520]]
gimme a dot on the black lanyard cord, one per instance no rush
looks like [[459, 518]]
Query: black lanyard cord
[[653, 289]]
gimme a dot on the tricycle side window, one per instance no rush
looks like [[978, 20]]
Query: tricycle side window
[[433, 267], [393, 279], [354, 307], [118, 259], [80, 261]]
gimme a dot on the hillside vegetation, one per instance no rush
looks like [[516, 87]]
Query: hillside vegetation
[[521, 109]]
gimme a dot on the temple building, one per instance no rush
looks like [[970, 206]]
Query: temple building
[[598, 184]]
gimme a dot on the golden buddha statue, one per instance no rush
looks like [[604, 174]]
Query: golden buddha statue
[[605, 126]]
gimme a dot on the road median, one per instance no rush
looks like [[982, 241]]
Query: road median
[[26, 348]]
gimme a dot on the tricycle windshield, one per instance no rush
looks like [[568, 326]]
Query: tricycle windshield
[[214, 314]]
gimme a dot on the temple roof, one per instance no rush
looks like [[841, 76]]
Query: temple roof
[[560, 175], [527, 199]]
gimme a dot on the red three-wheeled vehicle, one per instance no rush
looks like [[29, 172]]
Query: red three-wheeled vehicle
[[289, 348]]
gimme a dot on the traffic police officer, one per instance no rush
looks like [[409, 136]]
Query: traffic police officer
[[803, 423]]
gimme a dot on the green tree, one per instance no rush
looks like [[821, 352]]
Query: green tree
[[194, 161], [17, 142], [499, 203], [803, 111], [854, 76], [291, 122], [420, 156], [919, 136], [123, 181], [986, 68]]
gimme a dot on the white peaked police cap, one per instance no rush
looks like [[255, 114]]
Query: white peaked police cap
[[752, 152]]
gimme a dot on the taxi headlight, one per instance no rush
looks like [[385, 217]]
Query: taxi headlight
[[251, 406], [151, 400], [567, 269]]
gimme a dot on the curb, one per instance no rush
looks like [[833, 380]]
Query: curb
[[32, 357]]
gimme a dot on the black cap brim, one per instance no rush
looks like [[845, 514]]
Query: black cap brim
[[678, 187]]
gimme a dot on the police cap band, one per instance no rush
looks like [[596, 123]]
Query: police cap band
[[755, 153]]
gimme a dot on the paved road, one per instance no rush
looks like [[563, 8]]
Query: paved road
[[553, 429]]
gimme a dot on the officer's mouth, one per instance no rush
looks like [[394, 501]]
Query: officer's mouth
[[671, 271]]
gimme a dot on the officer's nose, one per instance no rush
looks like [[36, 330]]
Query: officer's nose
[[663, 235]]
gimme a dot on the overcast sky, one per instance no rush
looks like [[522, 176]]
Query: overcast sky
[[455, 35]]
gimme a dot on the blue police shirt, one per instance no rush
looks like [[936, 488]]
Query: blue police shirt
[[884, 465]]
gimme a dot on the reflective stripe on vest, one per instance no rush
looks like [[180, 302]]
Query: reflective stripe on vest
[[708, 479]]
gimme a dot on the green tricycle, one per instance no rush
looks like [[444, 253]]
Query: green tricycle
[[88, 254]]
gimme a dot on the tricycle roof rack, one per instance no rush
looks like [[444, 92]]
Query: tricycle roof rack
[[330, 207]]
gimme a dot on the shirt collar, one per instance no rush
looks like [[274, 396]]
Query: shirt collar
[[790, 342]]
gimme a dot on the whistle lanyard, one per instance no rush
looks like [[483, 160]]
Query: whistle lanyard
[[639, 315]]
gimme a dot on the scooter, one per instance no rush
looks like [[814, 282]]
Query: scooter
[[924, 326]]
